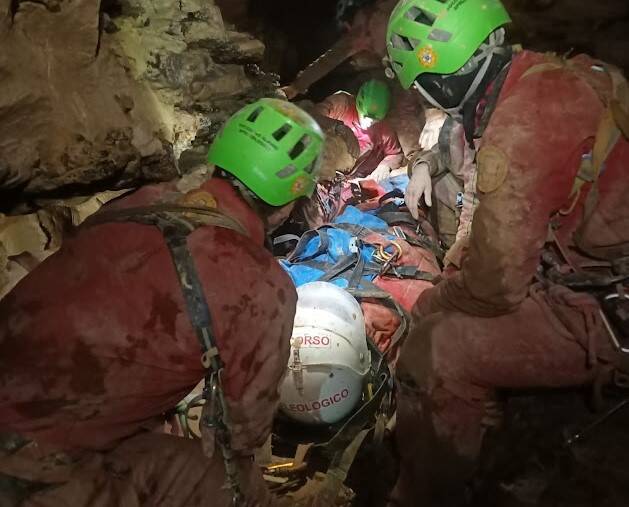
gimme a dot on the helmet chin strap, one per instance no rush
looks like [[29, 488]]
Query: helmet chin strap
[[485, 55]]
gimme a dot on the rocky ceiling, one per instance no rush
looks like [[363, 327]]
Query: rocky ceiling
[[114, 93], [111, 94]]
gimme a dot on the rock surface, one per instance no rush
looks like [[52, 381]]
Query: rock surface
[[107, 94], [114, 93]]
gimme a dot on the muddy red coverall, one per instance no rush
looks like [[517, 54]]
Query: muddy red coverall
[[96, 344], [490, 326], [379, 139]]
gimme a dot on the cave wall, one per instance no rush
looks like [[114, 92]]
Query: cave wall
[[599, 28], [90, 96], [105, 96]]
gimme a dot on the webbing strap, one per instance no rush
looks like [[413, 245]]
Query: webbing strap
[[192, 291], [285, 238], [338, 470], [324, 242], [173, 212], [338, 268], [607, 135], [397, 217], [175, 228], [375, 292]]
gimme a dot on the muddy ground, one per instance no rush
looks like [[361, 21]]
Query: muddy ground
[[527, 461]]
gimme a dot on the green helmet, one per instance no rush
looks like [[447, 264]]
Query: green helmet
[[272, 147], [439, 36], [373, 99]]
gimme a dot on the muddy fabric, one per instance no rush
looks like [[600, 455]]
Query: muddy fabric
[[380, 140], [452, 165], [511, 222], [449, 367], [406, 291], [487, 326], [381, 323], [97, 342], [406, 118], [148, 469]]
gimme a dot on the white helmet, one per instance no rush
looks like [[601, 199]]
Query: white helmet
[[329, 357]]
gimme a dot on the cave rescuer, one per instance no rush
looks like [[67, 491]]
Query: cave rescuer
[[445, 176], [552, 157], [365, 115], [154, 293]]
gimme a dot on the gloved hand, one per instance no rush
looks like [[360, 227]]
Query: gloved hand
[[345, 133], [382, 172], [420, 184], [430, 133]]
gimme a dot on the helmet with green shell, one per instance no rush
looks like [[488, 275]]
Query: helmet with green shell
[[373, 99], [439, 36], [273, 148]]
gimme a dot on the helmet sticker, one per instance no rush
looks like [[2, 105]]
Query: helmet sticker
[[299, 185], [427, 57]]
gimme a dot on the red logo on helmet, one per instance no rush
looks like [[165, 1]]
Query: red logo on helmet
[[312, 406], [312, 341]]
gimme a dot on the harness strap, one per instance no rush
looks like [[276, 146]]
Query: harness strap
[[397, 217], [144, 214], [285, 238], [300, 247], [173, 223], [375, 292], [338, 470], [613, 125]]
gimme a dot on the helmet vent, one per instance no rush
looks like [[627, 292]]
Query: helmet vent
[[440, 35], [253, 116], [401, 42], [299, 147], [289, 170], [310, 167], [420, 16], [282, 131]]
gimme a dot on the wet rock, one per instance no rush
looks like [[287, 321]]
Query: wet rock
[[112, 98]]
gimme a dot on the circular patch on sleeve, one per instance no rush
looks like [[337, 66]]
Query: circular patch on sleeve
[[199, 199], [493, 166]]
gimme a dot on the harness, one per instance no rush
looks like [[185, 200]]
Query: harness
[[176, 223], [608, 287], [352, 266]]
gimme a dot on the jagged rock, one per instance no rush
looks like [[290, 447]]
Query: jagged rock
[[26, 240], [239, 48], [68, 109], [112, 98]]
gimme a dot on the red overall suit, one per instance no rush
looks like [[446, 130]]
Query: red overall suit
[[96, 344], [379, 139], [489, 326]]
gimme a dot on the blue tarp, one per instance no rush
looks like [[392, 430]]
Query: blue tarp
[[310, 264]]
